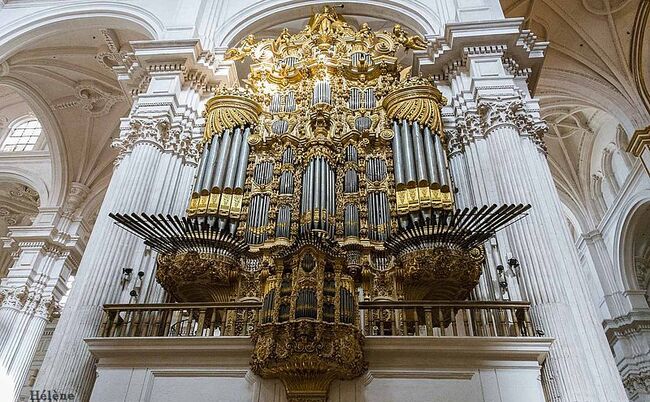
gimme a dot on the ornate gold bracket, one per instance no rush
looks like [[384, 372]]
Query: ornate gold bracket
[[229, 109], [416, 100]]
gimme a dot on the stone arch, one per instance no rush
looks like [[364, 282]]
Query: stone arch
[[54, 135], [25, 30], [27, 178], [635, 210], [266, 13]]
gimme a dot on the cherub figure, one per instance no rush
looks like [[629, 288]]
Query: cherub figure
[[244, 49], [410, 42], [283, 39], [365, 32]]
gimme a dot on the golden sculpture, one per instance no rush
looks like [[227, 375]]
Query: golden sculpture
[[410, 42]]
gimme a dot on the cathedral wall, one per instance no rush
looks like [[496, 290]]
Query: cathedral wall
[[216, 369]]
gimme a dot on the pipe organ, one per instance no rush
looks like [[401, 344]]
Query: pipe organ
[[322, 182]]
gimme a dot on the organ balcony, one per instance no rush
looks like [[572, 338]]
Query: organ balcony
[[322, 213]]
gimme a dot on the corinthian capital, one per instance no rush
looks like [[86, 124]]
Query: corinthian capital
[[14, 297], [158, 133], [494, 112]]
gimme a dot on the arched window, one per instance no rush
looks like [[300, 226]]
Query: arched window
[[22, 136]]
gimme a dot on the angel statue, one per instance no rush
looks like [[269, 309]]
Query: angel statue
[[245, 48], [283, 40], [410, 42]]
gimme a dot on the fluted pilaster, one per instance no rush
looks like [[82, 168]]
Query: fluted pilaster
[[150, 178], [504, 162], [46, 253], [154, 170]]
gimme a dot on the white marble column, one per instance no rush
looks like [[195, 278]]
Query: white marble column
[[33, 286], [154, 173], [142, 182], [502, 166], [498, 157]]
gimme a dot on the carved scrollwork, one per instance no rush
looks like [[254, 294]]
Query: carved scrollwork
[[307, 356], [192, 276]]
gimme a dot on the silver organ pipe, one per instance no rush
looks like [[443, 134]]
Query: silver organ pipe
[[351, 154], [376, 169], [243, 161], [283, 225], [322, 92], [230, 172], [432, 162], [407, 155], [397, 156], [351, 221], [370, 100], [317, 204], [290, 102], [286, 182], [212, 159], [200, 173], [220, 167], [354, 100], [421, 155], [287, 155], [351, 182], [420, 161], [280, 126], [440, 157], [276, 103]]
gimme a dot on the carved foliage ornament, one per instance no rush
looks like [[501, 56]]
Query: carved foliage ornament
[[159, 133], [230, 108], [416, 99], [307, 356]]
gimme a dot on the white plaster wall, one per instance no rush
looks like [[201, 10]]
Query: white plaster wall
[[431, 369], [205, 385]]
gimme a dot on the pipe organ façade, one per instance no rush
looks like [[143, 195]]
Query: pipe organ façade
[[323, 181]]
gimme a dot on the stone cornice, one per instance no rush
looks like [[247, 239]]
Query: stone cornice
[[632, 323], [506, 37], [425, 355], [198, 67]]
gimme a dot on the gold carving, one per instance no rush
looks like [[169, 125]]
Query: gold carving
[[416, 99], [230, 109], [307, 356], [440, 273], [197, 277], [410, 42]]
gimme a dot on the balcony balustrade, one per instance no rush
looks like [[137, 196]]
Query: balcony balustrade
[[377, 318]]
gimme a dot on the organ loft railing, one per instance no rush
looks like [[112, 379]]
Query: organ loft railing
[[378, 318], [322, 212]]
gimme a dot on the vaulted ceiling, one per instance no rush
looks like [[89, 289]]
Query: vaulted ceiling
[[592, 90], [68, 74]]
